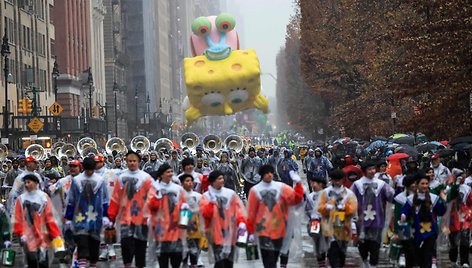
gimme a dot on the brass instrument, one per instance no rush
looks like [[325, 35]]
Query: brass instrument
[[212, 143], [68, 150], [164, 144], [37, 151], [234, 142], [89, 151], [189, 140], [57, 147], [140, 143], [116, 144], [84, 143], [3, 152]]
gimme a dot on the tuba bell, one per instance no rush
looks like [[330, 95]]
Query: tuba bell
[[89, 151], [84, 143], [116, 144], [212, 143], [164, 144], [36, 151], [68, 150], [3, 152], [140, 143], [234, 142], [189, 140], [57, 147]]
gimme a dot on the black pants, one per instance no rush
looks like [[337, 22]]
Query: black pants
[[175, 259], [459, 244], [87, 248], [193, 251], [132, 247], [269, 257], [223, 260], [424, 252], [247, 187], [369, 247], [34, 259], [408, 248], [337, 254]]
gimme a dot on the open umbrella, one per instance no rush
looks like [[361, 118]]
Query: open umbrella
[[465, 139], [446, 152], [410, 140], [462, 146], [407, 149], [375, 145], [397, 156], [429, 147], [398, 135]]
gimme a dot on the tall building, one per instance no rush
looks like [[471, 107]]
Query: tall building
[[115, 69], [97, 15], [30, 32]]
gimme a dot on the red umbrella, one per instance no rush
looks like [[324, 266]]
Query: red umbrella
[[397, 156], [445, 143]]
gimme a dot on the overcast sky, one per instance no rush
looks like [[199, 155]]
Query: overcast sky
[[261, 25]]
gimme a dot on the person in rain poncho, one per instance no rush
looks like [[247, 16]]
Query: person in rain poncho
[[19, 184], [320, 165], [224, 215], [267, 207], [372, 195], [338, 206], [153, 164], [166, 200], [34, 222], [286, 166], [86, 212], [128, 208], [231, 178]]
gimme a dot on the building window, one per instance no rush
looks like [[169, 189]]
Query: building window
[[53, 47], [51, 14]]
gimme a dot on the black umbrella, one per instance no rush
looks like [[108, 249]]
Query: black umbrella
[[410, 140], [427, 147], [465, 139], [407, 149], [462, 146], [446, 152]]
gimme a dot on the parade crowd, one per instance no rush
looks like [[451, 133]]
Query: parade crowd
[[172, 205]]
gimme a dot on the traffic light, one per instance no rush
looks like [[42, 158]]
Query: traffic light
[[102, 112], [29, 105], [22, 106]]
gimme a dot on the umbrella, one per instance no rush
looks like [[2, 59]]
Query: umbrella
[[379, 138], [375, 145], [462, 146], [397, 156], [428, 147], [410, 150], [410, 140], [446, 152], [465, 139], [398, 135]]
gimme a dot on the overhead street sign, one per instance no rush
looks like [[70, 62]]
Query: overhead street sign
[[56, 108], [35, 125]]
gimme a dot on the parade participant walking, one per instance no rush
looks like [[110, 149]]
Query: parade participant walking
[[19, 185], [231, 177], [337, 205], [153, 164], [423, 208], [174, 162], [224, 215], [63, 184], [372, 195], [314, 228], [285, 166], [12, 173], [34, 223], [267, 207], [166, 200], [441, 173], [188, 167], [127, 208], [249, 170], [86, 212], [273, 160], [195, 229], [320, 166]]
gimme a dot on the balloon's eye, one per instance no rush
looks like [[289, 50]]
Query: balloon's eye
[[225, 22], [238, 95], [201, 26], [213, 99]]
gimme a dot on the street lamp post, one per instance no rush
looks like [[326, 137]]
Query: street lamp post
[[115, 91], [147, 116], [136, 100], [55, 75], [90, 83], [6, 70]]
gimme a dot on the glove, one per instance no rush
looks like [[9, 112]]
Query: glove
[[7, 244], [106, 222], [242, 226], [251, 239], [294, 176], [329, 207], [68, 225], [185, 206], [340, 206]]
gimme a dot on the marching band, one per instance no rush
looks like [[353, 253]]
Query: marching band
[[77, 205]]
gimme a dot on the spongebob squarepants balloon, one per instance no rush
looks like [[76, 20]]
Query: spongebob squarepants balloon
[[220, 78]]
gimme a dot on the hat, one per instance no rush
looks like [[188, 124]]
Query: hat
[[199, 148], [336, 175], [31, 177], [163, 168], [184, 176], [99, 158], [30, 159], [214, 175], [266, 169], [408, 180], [74, 163], [252, 149], [435, 156]]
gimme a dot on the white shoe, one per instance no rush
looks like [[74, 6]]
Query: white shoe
[[103, 255], [111, 252], [465, 265], [402, 261]]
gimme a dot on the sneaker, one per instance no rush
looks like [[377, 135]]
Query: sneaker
[[111, 253], [434, 263], [402, 261], [465, 265], [103, 255]]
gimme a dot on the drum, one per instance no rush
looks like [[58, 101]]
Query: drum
[[315, 227], [185, 216], [242, 238], [251, 252], [110, 236], [8, 257], [58, 247]]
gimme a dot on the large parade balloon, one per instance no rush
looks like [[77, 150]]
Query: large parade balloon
[[220, 78]]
